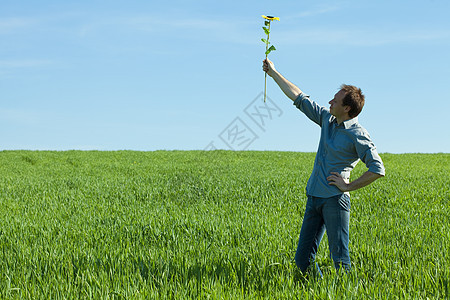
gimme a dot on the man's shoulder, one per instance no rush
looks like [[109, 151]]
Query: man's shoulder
[[355, 128]]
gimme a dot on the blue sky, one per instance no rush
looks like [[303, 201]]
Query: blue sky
[[150, 75]]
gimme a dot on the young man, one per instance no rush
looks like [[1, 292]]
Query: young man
[[343, 142]]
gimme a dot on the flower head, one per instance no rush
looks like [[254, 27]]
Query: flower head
[[270, 18]]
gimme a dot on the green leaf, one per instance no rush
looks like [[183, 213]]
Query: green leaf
[[267, 23], [271, 48], [266, 30], [265, 41]]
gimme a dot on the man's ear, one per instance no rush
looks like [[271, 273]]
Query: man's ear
[[347, 108]]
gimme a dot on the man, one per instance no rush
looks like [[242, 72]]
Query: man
[[343, 142]]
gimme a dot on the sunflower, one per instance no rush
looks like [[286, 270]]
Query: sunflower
[[270, 18]]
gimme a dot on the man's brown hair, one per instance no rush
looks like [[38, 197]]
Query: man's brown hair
[[353, 98]]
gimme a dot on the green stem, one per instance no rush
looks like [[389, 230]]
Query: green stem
[[265, 76]]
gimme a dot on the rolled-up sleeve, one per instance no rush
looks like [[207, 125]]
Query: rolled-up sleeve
[[310, 108], [368, 154]]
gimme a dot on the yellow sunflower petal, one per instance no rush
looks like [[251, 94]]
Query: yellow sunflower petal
[[270, 18]]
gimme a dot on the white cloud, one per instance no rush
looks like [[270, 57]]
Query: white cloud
[[151, 23], [173, 27], [359, 37], [9, 67], [24, 63], [19, 116], [313, 12], [12, 25]]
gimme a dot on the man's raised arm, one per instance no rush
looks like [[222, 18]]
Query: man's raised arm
[[288, 88]]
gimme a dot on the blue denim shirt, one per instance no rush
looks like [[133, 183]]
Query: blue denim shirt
[[340, 148]]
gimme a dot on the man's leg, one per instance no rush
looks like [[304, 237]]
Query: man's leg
[[311, 234], [336, 214]]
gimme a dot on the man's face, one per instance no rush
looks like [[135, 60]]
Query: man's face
[[336, 108]]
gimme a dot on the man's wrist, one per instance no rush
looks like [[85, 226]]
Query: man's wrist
[[348, 187]]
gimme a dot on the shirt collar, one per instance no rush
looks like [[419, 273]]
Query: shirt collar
[[349, 123]]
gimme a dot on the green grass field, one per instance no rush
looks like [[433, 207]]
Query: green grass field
[[212, 225]]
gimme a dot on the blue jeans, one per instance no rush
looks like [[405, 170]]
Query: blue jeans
[[332, 214]]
